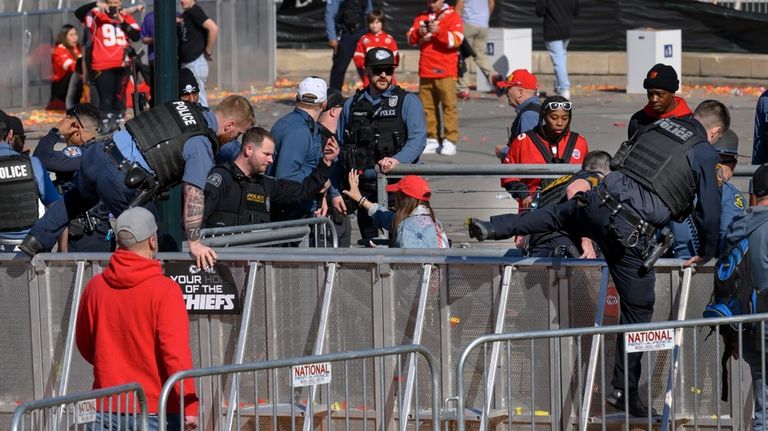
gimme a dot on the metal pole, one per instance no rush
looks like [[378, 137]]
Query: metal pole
[[320, 340], [166, 90], [501, 309], [417, 330], [681, 309], [69, 345], [597, 341], [242, 338]]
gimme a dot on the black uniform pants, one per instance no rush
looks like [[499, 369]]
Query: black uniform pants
[[344, 53], [111, 83], [636, 288]]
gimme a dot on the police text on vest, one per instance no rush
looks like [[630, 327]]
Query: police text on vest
[[186, 115], [8, 172]]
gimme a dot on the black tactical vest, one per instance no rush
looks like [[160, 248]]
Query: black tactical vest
[[160, 134], [246, 203], [374, 131], [19, 195], [556, 192], [349, 18], [657, 159]]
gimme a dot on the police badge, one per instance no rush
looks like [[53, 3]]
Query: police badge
[[393, 101]]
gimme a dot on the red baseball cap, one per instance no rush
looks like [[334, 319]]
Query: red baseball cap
[[520, 78], [413, 186]]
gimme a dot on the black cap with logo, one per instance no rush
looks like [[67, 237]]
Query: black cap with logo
[[377, 57]]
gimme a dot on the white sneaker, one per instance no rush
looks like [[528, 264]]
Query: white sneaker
[[448, 148], [432, 146]]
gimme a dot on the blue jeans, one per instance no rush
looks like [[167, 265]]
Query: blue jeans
[[558, 52], [97, 180], [199, 68], [127, 422], [752, 356]]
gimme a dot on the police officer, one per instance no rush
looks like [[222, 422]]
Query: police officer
[[24, 183], [653, 180], [345, 22], [594, 168], [238, 192], [167, 145], [686, 236], [90, 231], [381, 126]]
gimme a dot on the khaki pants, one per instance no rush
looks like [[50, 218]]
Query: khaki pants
[[436, 91], [477, 37]]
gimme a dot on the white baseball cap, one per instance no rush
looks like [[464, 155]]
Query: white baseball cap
[[312, 90]]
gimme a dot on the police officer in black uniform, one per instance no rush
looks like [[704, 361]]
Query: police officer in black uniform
[[345, 22], [238, 192], [382, 126], [594, 168], [655, 178], [90, 231], [170, 144]]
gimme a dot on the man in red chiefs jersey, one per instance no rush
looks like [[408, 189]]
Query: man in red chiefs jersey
[[111, 27], [438, 31]]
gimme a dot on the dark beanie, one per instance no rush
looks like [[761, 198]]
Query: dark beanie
[[662, 77]]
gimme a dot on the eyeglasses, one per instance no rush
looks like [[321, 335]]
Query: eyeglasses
[[389, 70], [72, 113], [554, 106]]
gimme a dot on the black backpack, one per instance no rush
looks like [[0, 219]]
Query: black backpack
[[734, 294]]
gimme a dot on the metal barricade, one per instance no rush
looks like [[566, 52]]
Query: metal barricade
[[126, 404], [316, 231], [515, 398], [354, 390]]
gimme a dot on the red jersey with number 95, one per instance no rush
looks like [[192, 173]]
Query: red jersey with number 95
[[109, 40]]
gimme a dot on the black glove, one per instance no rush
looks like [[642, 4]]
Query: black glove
[[481, 230], [31, 246]]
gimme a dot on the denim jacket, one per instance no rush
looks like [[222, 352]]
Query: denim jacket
[[415, 231]]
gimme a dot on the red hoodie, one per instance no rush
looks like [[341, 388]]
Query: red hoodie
[[133, 327], [681, 110]]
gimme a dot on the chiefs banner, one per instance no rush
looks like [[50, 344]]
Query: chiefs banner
[[600, 26]]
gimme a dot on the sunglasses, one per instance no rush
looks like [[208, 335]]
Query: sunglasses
[[554, 106], [71, 113], [389, 70]]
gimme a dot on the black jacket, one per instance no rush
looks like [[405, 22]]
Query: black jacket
[[558, 17]]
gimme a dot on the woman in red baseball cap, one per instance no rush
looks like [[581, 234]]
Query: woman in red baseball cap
[[413, 224]]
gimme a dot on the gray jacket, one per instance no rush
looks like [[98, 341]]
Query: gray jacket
[[753, 223]]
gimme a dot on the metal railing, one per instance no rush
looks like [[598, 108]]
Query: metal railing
[[301, 301], [754, 6], [78, 410], [316, 231], [245, 54], [275, 400], [569, 390], [498, 170]]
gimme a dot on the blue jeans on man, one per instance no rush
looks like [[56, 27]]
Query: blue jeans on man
[[558, 52], [114, 422]]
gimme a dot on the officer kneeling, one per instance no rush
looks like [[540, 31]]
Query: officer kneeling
[[167, 145], [653, 179], [238, 192]]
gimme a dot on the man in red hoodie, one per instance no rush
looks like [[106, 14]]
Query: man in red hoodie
[[132, 325], [661, 83]]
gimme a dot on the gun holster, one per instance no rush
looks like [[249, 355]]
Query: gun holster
[[656, 248], [138, 178]]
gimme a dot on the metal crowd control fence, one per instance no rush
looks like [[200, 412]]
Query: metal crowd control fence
[[684, 407], [297, 302], [79, 411], [316, 231], [498, 170], [354, 394], [245, 53]]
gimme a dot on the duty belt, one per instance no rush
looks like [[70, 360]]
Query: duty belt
[[641, 227], [117, 157]]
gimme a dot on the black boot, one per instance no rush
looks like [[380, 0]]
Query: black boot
[[31, 246], [636, 406], [481, 230]]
